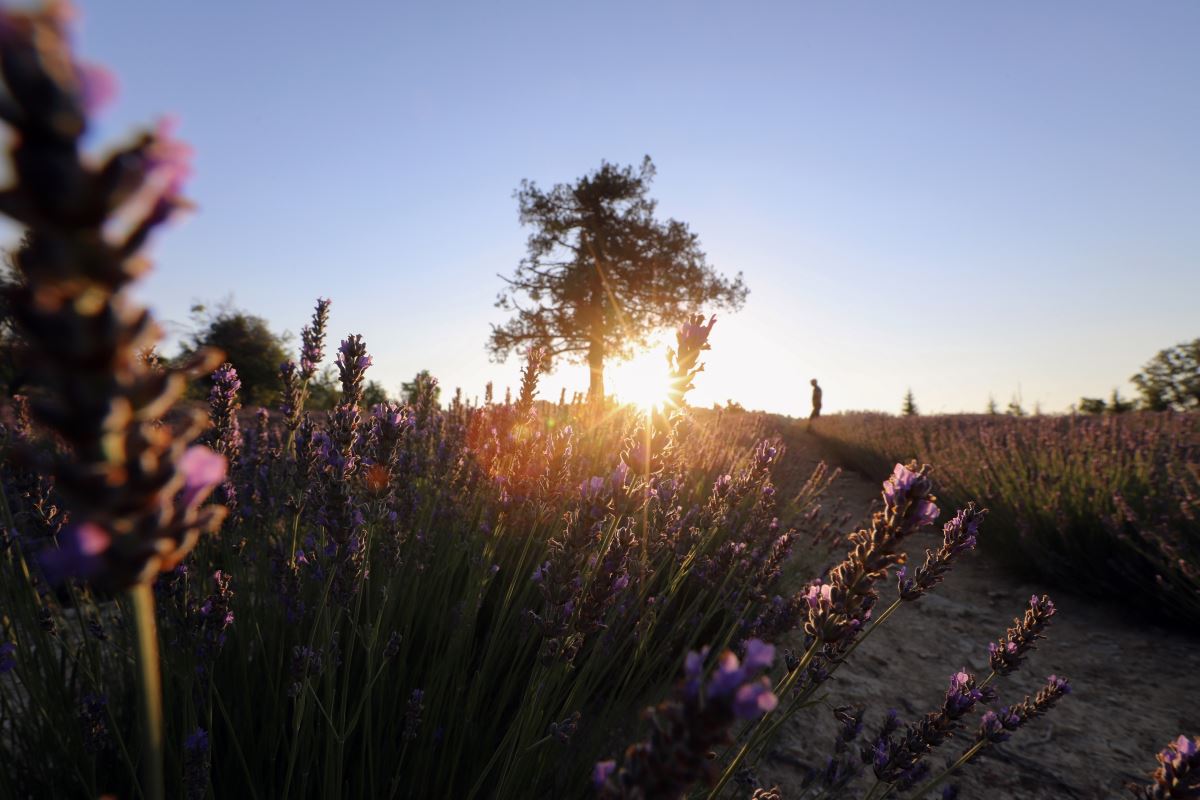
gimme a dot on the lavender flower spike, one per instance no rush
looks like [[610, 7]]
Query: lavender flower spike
[[908, 487], [226, 436], [196, 765], [352, 363], [997, 726], [902, 762], [959, 536], [312, 340], [689, 726], [1006, 655], [1178, 773], [86, 223]]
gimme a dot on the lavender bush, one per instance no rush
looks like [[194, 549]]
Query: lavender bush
[[407, 600], [1090, 502]]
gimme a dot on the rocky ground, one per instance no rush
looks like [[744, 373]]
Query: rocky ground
[[1136, 684]]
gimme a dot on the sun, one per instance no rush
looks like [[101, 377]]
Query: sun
[[642, 380]]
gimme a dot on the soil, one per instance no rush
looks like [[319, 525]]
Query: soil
[[1134, 682]]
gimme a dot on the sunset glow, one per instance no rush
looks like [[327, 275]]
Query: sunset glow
[[642, 380]]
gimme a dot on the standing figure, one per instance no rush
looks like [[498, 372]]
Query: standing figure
[[816, 402]]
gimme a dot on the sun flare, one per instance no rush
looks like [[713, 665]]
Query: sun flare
[[642, 380]]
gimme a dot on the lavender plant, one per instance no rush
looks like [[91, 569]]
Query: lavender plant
[[1178, 773], [1088, 502]]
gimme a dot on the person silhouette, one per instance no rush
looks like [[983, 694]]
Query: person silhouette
[[816, 402]]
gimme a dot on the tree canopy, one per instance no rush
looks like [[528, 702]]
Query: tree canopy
[[1171, 380], [601, 273], [248, 343], [11, 373]]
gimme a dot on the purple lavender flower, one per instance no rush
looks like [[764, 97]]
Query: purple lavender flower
[[753, 700], [691, 339], [962, 695], [602, 772], [80, 553], [226, 436], [87, 221], [312, 338], [997, 726], [693, 334], [98, 87], [392, 648], [412, 714], [759, 656], [686, 728], [196, 765], [1006, 655], [291, 403], [1177, 775], [836, 614], [352, 362], [728, 676], [225, 384], [169, 159], [306, 664], [536, 361], [565, 729], [959, 536], [902, 761], [906, 486], [209, 622], [693, 670], [202, 470]]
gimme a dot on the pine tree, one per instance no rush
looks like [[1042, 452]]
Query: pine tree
[[602, 274]]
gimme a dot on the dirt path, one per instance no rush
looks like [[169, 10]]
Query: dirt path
[[1135, 683]]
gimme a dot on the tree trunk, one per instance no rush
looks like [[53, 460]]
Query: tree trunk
[[596, 367], [596, 326]]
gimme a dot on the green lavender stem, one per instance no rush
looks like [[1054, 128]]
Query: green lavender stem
[[149, 692]]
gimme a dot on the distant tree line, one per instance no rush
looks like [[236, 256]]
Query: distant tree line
[[257, 352], [1171, 380], [1168, 382]]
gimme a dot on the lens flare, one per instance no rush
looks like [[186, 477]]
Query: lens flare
[[643, 380]]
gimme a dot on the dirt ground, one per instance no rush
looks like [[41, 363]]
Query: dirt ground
[[1135, 684]]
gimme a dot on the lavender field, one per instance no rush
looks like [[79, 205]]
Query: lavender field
[[1100, 505], [215, 583]]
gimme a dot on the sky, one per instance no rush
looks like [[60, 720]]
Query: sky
[[968, 200]]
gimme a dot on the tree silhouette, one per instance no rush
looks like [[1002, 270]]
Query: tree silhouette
[[248, 343], [1118, 404], [909, 409], [11, 372], [1171, 379], [601, 274]]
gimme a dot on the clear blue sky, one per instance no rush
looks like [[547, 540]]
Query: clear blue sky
[[964, 198]]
